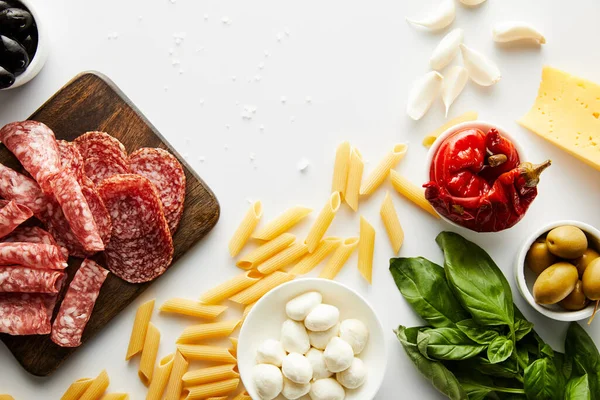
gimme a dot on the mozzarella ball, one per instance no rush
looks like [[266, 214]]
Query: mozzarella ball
[[292, 390], [270, 352], [317, 362], [326, 389], [268, 381], [354, 332], [354, 376], [322, 317], [338, 355], [294, 337], [299, 307], [297, 368], [320, 339]]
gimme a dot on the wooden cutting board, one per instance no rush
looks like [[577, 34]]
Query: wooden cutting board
[[91, 102]]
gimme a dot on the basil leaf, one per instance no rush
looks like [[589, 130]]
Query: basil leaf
[[422, 343], [478, 386], [477, 333], [440, 376], [563, 364], [505, 369], [423, 284], [581, 351], [541, 381], [522, 328], [451, 344], [522, 354], [578, 389], [500, 349], [476, 280]]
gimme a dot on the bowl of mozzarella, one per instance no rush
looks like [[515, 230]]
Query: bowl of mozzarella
[[312, 339]]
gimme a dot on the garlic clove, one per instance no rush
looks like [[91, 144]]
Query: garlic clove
[[511, 31], [443, 16], [446, 50], [482, 70], [423, 93], [454, 82], [472, 3]]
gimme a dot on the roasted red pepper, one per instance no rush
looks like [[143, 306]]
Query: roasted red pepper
[[477, 181]]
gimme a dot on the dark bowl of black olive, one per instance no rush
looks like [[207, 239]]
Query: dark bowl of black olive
[[23, 43]]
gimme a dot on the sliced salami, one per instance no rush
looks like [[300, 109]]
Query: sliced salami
[[33, 234], [11, 216], [34, 145], [59, 228], [97, 169], [70, 158], [141, 247], [99, 212], [34, 255], [104, 156], [25, 313], [18, 279], [166, 173], [22, 189], [77, 306]]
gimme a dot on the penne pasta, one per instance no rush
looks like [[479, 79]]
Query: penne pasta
[[283, 259], [234, 345], [217, 398], [412, 192], [206, 353], [211, 389], [6, 397], [355, 173], [340, 169], [323, 221], [339, 258], [376, 178], [200, 332], [228, 288], [260, 288], [266, 251], [140, 326], [115, 396], [310, 261], [245, 229], [77, 388], [212, 374], [180, 366], [282, 223], [146, 368], [192, 308], [243, 396], [160, 377], [366, 247], [247, 310], [468, 116], [392, 223], [97, 388]]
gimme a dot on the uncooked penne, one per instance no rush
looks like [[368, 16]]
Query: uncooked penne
[[376, 178], [260, 288], [468, 116], [412, 192], [339, 258], [245, 229], [366, 246], [160, 377], [211, 389], [180, 366], [146, 368], [196, 333], [217, 398], [6, 397], [115, 396], [212, 374], [340, 169], [282, 223], [310, 261], [266, 251], [283, 259], [77, 388], [323, 221], [243, 396], [140, 326], [234, 345], [206, 353], [192, 308], [355, 173], [228, 288], [392, 223], [97, 388]]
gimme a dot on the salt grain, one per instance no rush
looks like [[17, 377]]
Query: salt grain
[[303, 164]]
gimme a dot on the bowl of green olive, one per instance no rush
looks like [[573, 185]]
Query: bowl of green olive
[[558, 270]]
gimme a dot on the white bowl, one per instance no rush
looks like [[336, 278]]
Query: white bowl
[[265, 319], [482, 125], [526, 278], [41, 54]]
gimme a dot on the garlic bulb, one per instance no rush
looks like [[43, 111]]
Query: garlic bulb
[[472, 3], [482, 70], [440, 18], [446, 50], [454, 82], [423, 93], [511, 31]]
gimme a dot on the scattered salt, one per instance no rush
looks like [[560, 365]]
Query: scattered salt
[[226, 21], [283, 99], [303, 164], [308, 99]]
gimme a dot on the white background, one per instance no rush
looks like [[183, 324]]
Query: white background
[[356, 61]]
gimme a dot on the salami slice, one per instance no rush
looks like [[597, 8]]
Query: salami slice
[[22, 189], [34, 145], [97, 169], [104, 156], [99, 212], [34, 255], [70, 158], [166, 173], [11, 216], [25, 313], [141, 247], [59, 228], [33, 234], [18, 279], [78, 304]]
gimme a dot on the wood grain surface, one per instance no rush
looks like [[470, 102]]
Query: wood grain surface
[[91, 102]]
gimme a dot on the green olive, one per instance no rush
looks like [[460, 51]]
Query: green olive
[[555, 283], [567, 242], [576, 300], [582, 262], [591, 280], [538, 257]]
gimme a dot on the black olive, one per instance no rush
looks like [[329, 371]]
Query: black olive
[[6, 78], [13, 56], [5, 4], [14, 20], [30, 43]]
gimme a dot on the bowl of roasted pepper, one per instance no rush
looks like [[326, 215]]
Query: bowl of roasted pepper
[[479, 178]]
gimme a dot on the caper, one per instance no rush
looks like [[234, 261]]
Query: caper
[[576, 300], [555, 283], [582, 262], [539, 257], [567, 242], [591, 280]]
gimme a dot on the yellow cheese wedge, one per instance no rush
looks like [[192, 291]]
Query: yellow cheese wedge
[[468, 116], [567, 113]]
